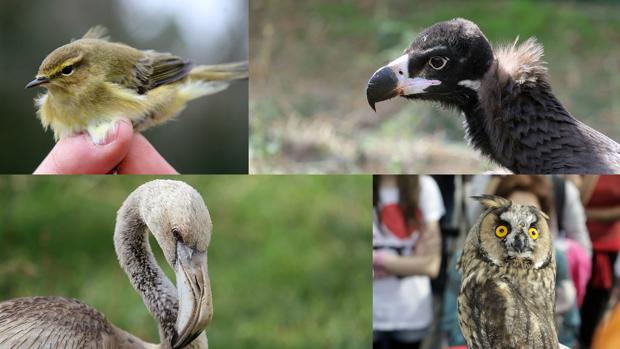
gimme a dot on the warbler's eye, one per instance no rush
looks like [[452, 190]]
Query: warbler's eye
[[501, 231], [438, 62], [68, 70], [533, 233]]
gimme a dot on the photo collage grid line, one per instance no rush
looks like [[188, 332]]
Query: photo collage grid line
[[206, 174]]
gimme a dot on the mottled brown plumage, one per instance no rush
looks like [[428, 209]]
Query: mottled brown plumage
[[507, 295]]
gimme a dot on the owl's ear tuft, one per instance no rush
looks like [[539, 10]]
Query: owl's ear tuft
[[492, 201]]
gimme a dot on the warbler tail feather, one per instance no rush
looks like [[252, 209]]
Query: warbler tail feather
[[220, 72], [196, 88]]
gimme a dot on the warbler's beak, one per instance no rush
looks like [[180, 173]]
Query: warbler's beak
[[194, 291], [38, 81]]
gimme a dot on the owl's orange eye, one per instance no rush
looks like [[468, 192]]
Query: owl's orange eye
[[533, 233], [501, 231]]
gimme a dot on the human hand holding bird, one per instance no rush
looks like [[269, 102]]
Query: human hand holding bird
[[124, 152]]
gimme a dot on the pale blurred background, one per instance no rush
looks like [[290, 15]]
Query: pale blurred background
[[310, 62], [210, 136]]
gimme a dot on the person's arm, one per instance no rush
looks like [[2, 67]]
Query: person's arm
[[575, 218], [123, 150], [426, 257], [603, 214]]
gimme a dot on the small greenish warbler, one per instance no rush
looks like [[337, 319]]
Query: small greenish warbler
[[92, 82]]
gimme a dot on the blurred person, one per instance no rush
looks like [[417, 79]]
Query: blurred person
[[406, 255], [449, 321], [449, 187], [450, 224], [601, 198], [570, 217], [607, 333], [478, 184], [123, 151], [572, 235]]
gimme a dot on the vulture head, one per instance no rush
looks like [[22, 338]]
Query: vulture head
[[510, 111], [444, 63]]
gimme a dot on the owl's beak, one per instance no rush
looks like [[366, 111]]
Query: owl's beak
[[519, 243]]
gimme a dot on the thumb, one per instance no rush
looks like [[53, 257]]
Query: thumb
[[142, 158], [79, 155]]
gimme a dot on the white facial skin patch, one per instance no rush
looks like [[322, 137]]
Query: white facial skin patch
[[471, 84], [407, 85]]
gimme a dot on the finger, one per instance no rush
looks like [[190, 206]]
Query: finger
[[79, 155], [142, 158]]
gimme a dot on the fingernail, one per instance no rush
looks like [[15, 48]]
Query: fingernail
[[110, 135]]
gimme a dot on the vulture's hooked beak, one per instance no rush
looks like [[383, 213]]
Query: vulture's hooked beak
[[39, 80], [194, 292], [393, 80]]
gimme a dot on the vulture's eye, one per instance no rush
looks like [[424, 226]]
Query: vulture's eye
[[437, 62]]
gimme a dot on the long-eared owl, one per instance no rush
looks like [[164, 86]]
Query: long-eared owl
[[507, 296]]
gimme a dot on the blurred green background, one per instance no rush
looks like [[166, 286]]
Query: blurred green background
[[210, 135], [308, 108], [289, 258]]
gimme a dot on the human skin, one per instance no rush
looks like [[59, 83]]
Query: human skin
[[124, 152], [426, 257]]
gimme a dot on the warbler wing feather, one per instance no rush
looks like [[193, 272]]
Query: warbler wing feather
[[156, 69]]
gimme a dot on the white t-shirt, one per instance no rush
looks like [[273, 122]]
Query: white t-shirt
[[404, 303]]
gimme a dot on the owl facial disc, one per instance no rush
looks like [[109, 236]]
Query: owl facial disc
[[518, 243]]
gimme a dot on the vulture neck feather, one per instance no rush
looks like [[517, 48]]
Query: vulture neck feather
[[519, 123]]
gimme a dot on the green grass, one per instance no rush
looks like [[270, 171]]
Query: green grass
[[288, 260]]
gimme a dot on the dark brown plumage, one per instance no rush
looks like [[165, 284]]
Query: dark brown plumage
[[511, 113]]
